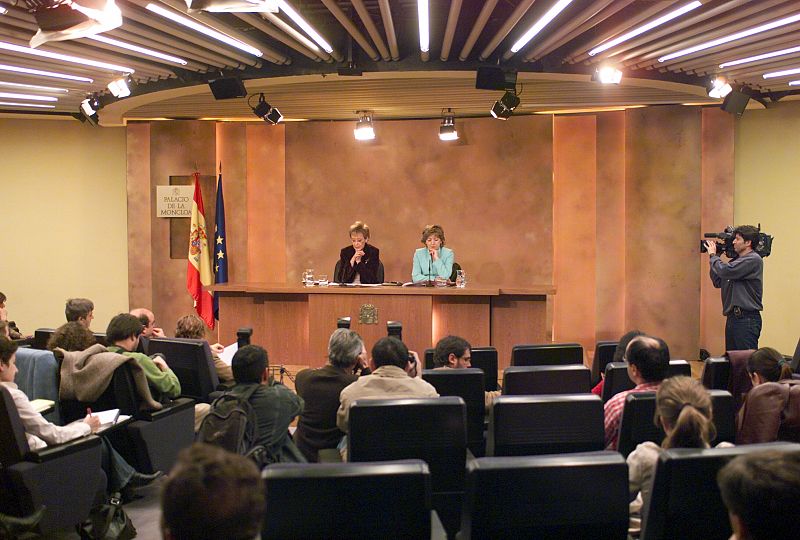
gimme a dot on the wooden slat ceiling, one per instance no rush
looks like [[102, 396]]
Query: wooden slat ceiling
[[381, 39]]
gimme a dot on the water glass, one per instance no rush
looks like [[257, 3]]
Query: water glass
[[323, 280], [308, 277], [461, 279]]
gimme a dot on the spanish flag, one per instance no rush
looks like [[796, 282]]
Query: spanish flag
[[198, 270]]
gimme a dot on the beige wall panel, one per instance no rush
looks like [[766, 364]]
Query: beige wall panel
[[232, 152], [663, 171], [610, 241], [140, 258], [465, 317], [491, 191], [62, 192], [574, 170], [716, 214], [266, 203], [517, 320], [768, 192], [176, 148]]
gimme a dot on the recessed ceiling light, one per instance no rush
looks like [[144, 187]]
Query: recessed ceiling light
[[759, 57], [136, 48], [38, 105], [782, 73], [302, 23], [34, 87], [424, 26], [537, 27], [65, 58], [14, 95], [42, 73]]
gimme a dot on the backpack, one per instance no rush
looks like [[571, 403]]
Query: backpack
[[231, 423]]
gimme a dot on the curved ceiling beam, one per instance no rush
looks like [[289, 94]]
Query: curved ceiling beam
[[477, 28], [372, 30], [450, 29], [300, 43], [351, 29], [509, 25], [388, 24]]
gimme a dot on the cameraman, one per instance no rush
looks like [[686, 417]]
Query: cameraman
[[742, 282]]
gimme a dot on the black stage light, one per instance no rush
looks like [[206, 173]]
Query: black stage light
[[504, 107]]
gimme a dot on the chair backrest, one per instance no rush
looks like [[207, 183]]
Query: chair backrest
[[637, 422], [723, 407], [454, 273], [569, 496], [305, 502], [616, 380], [468, 385], [429, 358], [485, 358], [679, 367], [192, 363], [40, 338], [431, 429], [547, 354], [716, 373], [38, 377], [380, 275], [120, 394], [603, 354], [685, 501], [530, 380], [554, 424], [739, 383], [13, 443]]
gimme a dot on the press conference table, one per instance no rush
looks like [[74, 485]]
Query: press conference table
[[294, 322]]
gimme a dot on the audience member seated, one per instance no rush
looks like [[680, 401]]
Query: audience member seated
[[771, 410], [41, 433], [683, 409], [619, 354], [193, 327], [396, 373], [148, 321], [320, 389], [123, 334], [80, 310], [11, 326], [648, 361], [453, 352], [274, 405], [212, 494], [759, 490]]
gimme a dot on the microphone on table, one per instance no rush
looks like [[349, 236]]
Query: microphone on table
[[430, 269]]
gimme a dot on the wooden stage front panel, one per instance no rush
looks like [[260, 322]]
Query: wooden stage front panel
[[294, 323]]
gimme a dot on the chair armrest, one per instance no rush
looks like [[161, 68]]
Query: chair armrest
[[438, 531], [65, 449], [170, 408]]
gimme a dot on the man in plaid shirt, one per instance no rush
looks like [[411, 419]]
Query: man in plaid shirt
[[648, 361]]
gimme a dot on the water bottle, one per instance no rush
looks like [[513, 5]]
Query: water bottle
[[461, 279]]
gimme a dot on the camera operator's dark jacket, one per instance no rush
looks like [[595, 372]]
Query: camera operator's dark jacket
[[741, 281]]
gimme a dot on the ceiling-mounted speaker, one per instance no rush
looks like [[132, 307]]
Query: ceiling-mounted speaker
[[495, 78], [735, 102], [227, 88]]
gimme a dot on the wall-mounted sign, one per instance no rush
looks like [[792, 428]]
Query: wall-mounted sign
[[174, 201]]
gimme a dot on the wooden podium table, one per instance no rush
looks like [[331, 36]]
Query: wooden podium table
[[294, 322]]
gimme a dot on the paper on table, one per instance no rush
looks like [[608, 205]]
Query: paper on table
[[227, 355]]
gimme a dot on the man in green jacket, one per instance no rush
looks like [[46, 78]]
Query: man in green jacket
[[122, 335]]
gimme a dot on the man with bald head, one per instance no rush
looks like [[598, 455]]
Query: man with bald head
[[648, 362], [148, 322]]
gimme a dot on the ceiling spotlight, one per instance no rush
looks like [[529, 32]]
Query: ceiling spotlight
[[364, 130], [718, 88], [504, 107], [447, 131], [119, 88], [607, 75], [90, 105], [265, 111]]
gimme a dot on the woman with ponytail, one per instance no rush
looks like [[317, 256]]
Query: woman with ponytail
[[683, 409], [771, 410]]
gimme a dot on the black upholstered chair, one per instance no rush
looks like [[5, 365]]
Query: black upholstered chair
[[305, 501], [532, 380], [636, 423], [153, 439], [716, 373], [431, 429], [550, 424], [428, 362], [679, 367], [483, 358], [603, 354], [468, 385], [38, 377], [40, 338], [65, 478], [685, 501], [547, 354], [192, 362], [616, 380], [568, 496], [724, 416]]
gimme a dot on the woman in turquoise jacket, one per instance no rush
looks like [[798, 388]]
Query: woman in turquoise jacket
[[434, 260]]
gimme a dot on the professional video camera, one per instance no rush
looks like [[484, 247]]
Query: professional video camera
[[763, 248]]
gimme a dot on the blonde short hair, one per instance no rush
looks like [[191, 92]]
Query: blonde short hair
[[359, 227]]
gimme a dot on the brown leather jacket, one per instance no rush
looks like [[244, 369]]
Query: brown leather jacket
[[771, 412]]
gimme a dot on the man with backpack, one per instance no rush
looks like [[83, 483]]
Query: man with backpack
[[255, 413]]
